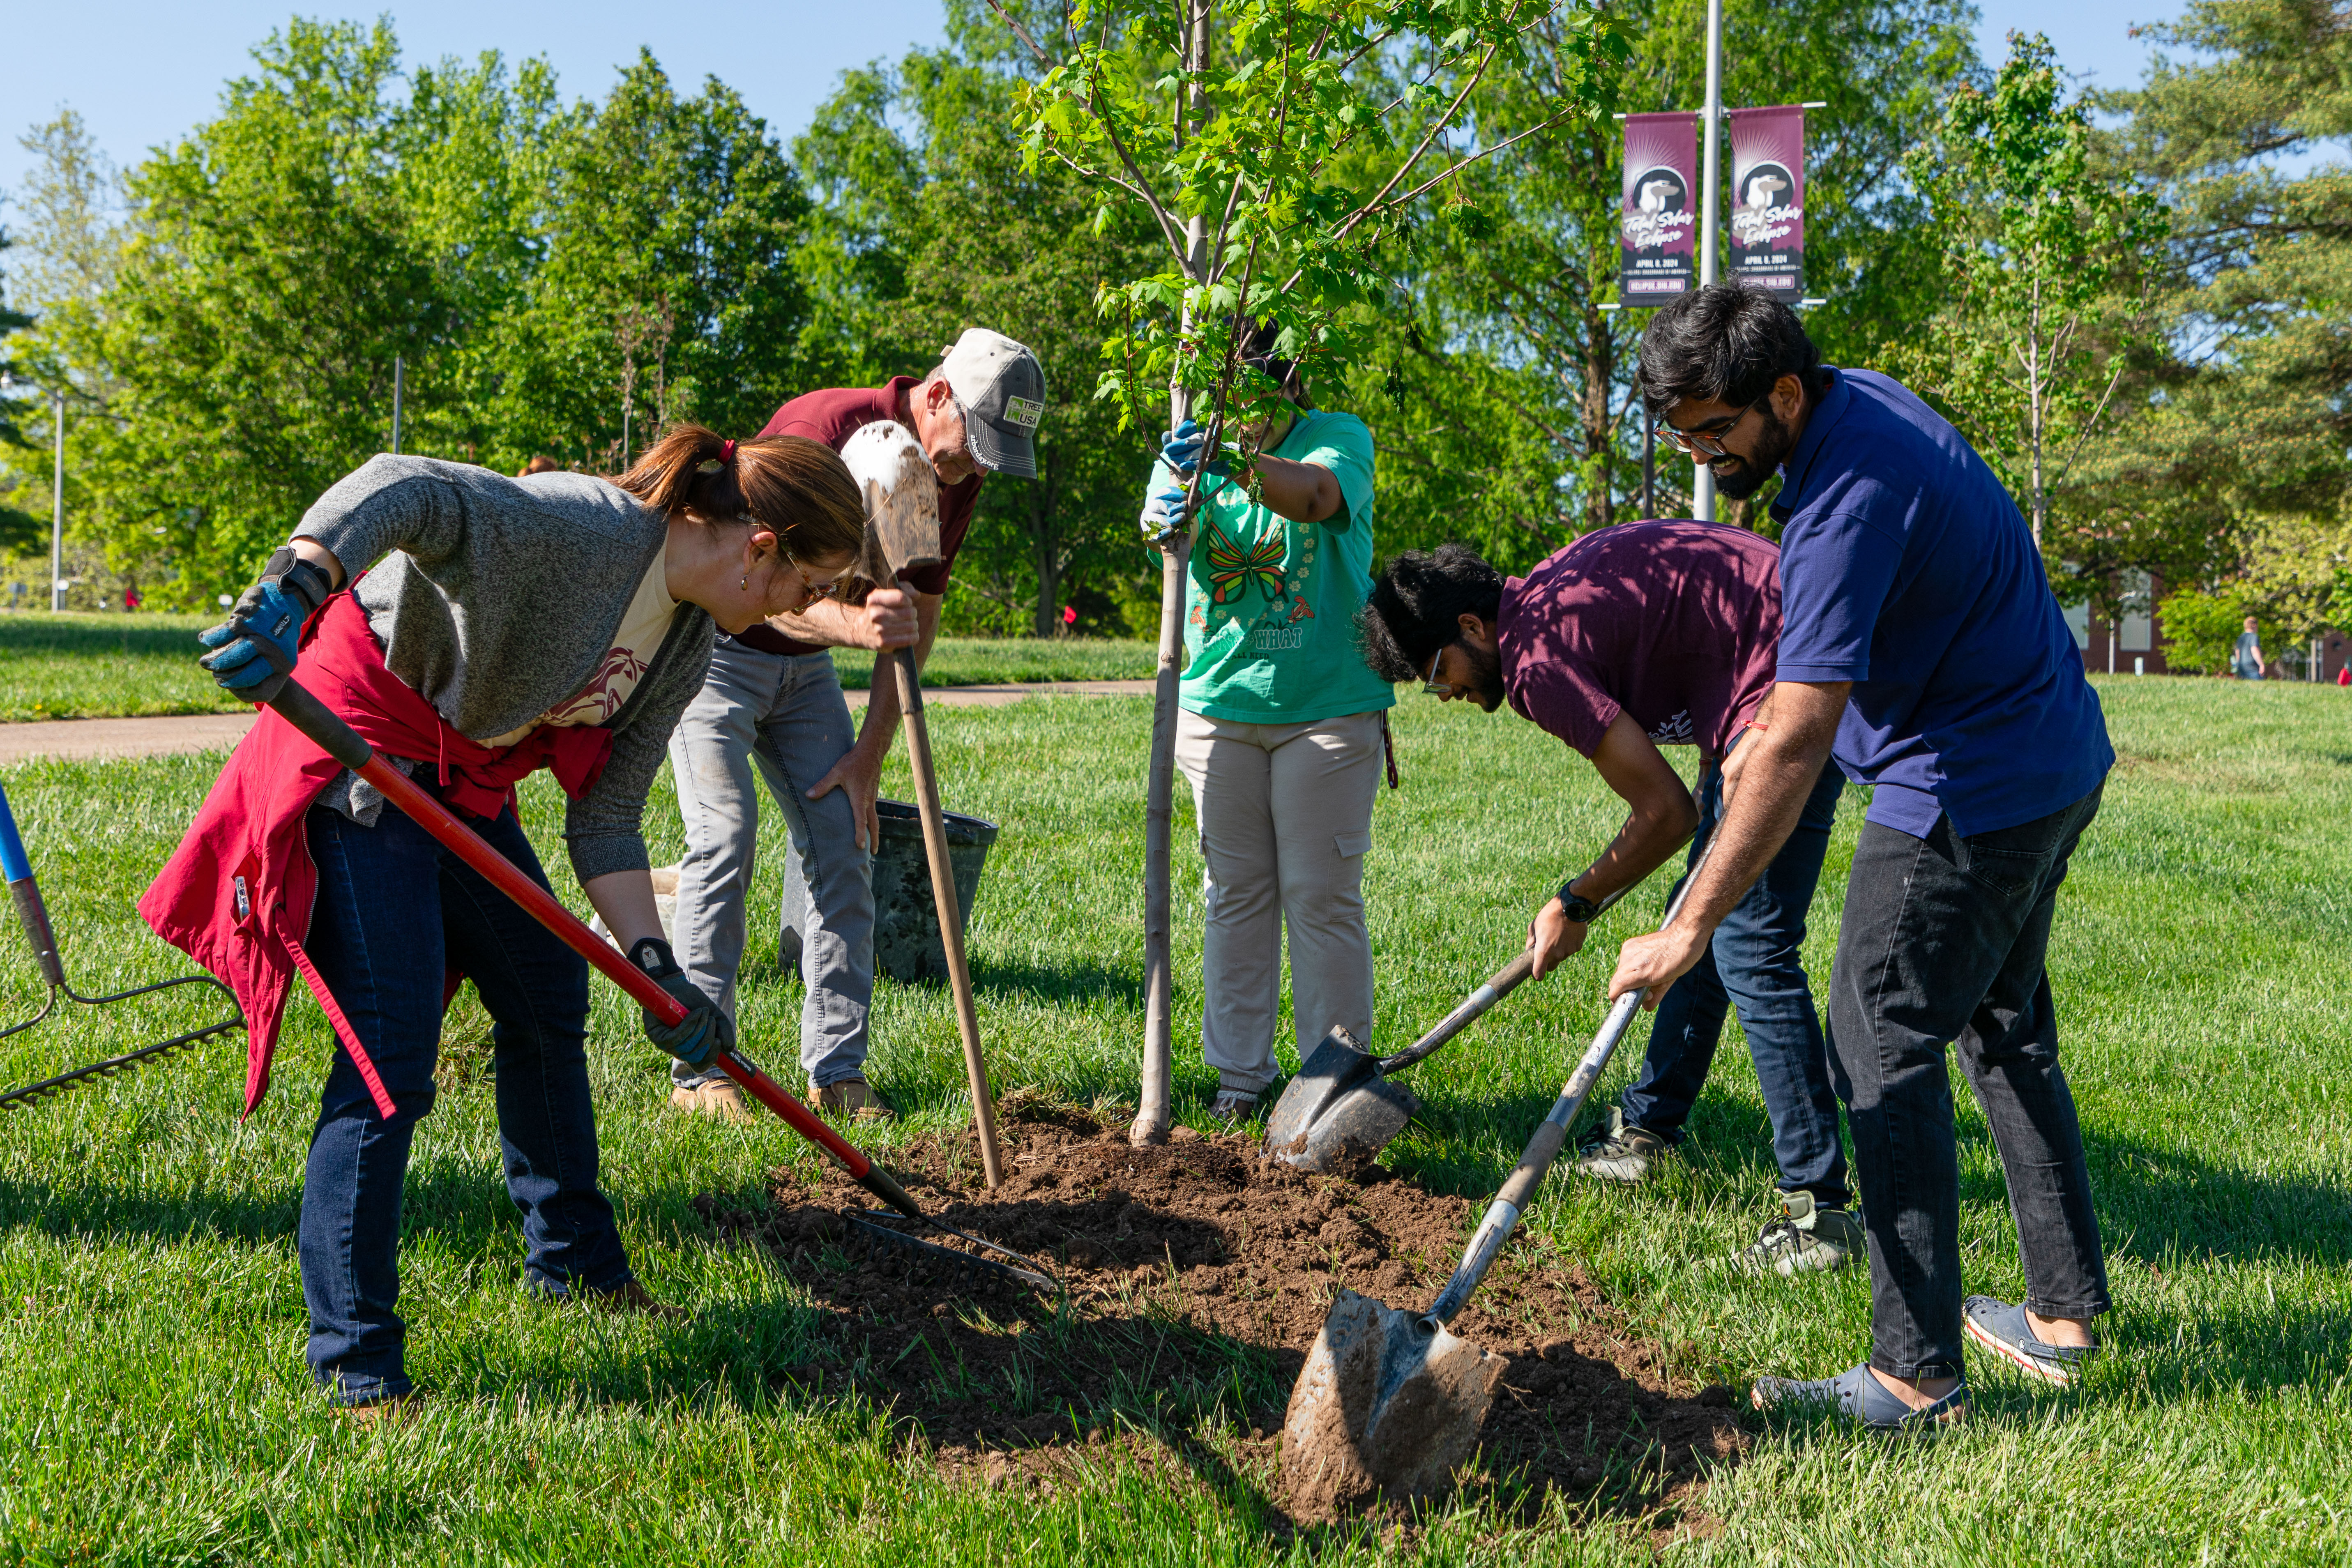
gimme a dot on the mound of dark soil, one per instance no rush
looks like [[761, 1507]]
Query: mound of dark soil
[[1197, 1276]]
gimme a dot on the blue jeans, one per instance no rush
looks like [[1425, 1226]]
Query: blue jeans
[[394, 909], [1755, 961]]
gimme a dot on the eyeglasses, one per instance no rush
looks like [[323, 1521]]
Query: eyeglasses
[[1706, 444], [1429, 682]]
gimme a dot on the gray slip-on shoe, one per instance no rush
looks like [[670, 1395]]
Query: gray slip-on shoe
[[1858, 1396], [2001, 1328]]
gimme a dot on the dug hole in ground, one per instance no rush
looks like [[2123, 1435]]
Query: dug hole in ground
[[1198, 1275]]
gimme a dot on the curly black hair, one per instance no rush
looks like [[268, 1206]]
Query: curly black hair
[[1725, 343], [1417, 604]]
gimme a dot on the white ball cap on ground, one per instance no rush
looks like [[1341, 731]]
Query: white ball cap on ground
[[1002, 389]]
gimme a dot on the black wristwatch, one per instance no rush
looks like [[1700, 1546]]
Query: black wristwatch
[[1583, 912]]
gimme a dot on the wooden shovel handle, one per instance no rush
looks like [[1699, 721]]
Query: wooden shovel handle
[[943, 895]]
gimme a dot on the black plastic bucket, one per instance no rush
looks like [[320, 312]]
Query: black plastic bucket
[[907, 943]]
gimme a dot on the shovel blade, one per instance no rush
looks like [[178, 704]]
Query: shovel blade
[[1389, 1404], [1337, 1111]]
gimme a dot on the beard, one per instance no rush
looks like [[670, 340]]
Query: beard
[[1774, 442], [1485, 676]]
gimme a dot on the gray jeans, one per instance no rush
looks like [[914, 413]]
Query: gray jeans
[[787, 715]]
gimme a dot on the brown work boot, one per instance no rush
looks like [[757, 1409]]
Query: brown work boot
[[855, 1098], [722, 1097], [397, 1410]]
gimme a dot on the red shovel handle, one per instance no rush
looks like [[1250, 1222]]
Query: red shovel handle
[[326, 730]]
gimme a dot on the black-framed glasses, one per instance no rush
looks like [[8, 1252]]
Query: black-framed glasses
[[1705, 444]]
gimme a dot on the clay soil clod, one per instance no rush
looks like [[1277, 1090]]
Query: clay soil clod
[[1197, 1275]]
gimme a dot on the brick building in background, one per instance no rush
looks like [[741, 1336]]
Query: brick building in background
[[2135, 645]]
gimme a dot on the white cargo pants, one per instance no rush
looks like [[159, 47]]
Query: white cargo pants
[[1285, 818]]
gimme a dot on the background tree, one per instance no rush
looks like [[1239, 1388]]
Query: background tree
[[2048, 262], [1503, 386], [2237, 466], [930, 221]]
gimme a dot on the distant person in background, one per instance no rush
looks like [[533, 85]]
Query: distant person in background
[[542, 464], [131, 599], [2246, 664], [2343, 677]]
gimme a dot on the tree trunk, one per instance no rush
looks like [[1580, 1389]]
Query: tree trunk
[[1151, 1114], [2033, 409], [1600, 451], [1046, 548]]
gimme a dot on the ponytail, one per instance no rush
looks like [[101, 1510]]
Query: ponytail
[[798, 488]]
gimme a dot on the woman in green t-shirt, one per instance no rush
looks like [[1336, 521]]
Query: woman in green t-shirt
[[1280, 730]]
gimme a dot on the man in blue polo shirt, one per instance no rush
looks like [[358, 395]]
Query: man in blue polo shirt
[[1921, 647]]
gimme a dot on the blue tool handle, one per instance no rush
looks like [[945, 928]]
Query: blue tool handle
[[12, 848], [26, 895]]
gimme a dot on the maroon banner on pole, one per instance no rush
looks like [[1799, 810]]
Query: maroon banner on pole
[[1767, 199], [1658, 219]]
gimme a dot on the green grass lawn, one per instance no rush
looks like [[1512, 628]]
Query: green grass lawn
[[154, 1405], [82, 664]]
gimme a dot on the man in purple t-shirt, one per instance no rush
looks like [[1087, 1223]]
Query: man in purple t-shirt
[[1645, 635]]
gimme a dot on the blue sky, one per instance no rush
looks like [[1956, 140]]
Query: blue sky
[[143, 71]]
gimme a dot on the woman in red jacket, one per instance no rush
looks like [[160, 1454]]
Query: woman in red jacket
[[558, 620]]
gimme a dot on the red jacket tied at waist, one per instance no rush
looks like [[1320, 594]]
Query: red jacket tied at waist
[[237, 896]]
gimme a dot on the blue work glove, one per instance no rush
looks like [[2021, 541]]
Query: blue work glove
[[1181, 449], [254, 649], [1163, 515], [706, 1029]]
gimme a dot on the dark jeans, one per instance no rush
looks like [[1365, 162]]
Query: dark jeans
[[1756, 961], [393, 907], [1944, 939]]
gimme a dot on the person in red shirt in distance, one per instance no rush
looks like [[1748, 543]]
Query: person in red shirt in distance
[[773, 703]]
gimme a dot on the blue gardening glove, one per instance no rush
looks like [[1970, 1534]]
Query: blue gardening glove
[[254, 649], [1163, 515], [706, 1029], [1181, 449]]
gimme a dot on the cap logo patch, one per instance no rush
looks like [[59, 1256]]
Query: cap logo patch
[[1024, 411]]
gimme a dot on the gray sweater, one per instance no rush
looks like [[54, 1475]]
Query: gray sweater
[[497, 599]]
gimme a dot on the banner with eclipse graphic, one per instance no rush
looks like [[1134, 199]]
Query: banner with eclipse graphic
[[1767, 199], [1658, 221]]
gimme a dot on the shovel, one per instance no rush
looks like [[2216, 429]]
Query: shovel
[[328, 731], [1341, 1109], [1390, 1401], [902, 510]]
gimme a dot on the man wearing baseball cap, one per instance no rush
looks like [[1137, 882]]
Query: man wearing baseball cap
[[773, 701]]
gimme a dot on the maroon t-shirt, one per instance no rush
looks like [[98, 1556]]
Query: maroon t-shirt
[[830, 417], [1674, 622]]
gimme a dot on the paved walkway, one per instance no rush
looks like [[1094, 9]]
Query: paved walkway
[[76, 740]]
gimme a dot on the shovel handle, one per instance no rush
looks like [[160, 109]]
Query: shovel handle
[[1502, 1216], [327, 731], [1499, 984]]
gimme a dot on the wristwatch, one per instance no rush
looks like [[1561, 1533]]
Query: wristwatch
[[1583, 912]]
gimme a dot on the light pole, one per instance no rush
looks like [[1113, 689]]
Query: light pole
[[57, 510], [1710, 198], [397, 380]]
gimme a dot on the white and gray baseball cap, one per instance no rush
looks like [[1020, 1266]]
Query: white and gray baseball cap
[[1002, 390]]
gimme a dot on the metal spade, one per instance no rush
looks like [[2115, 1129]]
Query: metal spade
[[1341, 1108], [1390, 1402]]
